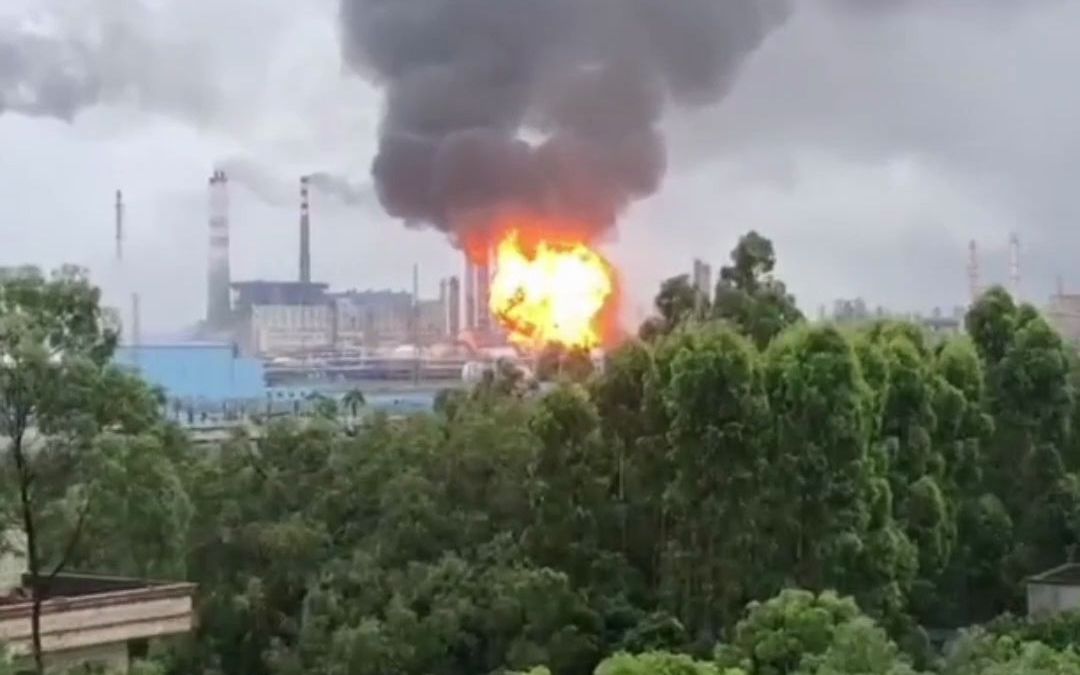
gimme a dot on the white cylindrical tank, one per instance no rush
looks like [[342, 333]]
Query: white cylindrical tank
[[474, 371]]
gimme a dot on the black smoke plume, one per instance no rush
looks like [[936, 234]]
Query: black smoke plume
[[548, 105]]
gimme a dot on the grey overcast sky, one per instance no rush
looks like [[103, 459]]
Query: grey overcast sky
[[871, 139]]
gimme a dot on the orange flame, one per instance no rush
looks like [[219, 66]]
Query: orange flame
[[550, 291]]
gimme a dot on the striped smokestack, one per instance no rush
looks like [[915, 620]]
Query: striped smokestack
[[305, 231], [218, 304]]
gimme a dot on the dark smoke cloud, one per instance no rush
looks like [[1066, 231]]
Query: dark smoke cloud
[[107, 56], [44, 76], [468, 80]]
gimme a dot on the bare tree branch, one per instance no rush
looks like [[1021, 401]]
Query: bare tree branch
[[73, 541]]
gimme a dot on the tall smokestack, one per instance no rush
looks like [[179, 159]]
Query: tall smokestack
[[218, 303], [453, 308], [119, 226], [470, 294], [305, 231]]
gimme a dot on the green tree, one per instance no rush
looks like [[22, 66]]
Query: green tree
[[675, 303], [718, 418], [750, 297], [800, 632], [659, 663], [58, 393], [991, 322], [982, 654], [353, 401], [832, 498], [139, 510]]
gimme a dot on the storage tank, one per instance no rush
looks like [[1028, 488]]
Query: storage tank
[[473, 372]]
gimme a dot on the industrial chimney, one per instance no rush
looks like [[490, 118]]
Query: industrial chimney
[[218, 303], [483, 295], [453, 308], [305, 231], [470, 294]]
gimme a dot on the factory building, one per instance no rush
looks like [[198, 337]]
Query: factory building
[[376, 316], [856, 312], [206, 372], [290, 329], [274, 318], [278, 319], [248, 294]]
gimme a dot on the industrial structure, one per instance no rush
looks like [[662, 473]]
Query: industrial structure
[[1063, 313], [283, 339], [855, 311], [976, 286], [483, 294], [87, 621], [269, 318], [305, 231], [218, 299], [702, 281]]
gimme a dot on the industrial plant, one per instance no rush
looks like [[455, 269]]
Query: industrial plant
[[292, 338], [277, 342]]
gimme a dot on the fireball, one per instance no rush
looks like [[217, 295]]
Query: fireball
[[551, 291]]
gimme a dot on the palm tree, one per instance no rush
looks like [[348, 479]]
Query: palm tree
[[354, 400]]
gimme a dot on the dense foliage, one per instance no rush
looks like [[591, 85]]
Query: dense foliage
[[649, 517]]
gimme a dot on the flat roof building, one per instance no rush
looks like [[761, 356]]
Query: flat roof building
[[207, 372], [88, 620], [1054, 591]]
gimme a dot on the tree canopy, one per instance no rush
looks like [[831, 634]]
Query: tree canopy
[[741, 493]]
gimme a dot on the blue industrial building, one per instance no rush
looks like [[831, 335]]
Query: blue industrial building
[[209, 376], [197, 372]]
